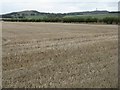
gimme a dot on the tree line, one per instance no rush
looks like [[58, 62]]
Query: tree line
[[107, 20]]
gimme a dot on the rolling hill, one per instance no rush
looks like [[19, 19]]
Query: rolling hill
[[36, 14], [73, 17]]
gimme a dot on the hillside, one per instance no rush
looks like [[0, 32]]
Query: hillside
[[22, 14], [73, 17], [34, 14], [88, 13]]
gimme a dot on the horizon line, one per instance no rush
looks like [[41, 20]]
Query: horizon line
[[58, 12]]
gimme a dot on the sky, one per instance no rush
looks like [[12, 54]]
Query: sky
[[57, 6]]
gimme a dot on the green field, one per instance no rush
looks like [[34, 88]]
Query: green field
[[36, 17], [99, 16]]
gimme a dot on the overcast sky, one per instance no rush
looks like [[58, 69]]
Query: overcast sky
[[57, 6]]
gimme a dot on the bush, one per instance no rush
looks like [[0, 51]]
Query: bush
[[111, 20]]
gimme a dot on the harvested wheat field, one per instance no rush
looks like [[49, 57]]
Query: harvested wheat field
[[59, 55]]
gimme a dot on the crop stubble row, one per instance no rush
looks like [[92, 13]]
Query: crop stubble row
[[59, 55]]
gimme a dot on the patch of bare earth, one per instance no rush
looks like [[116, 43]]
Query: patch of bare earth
[[59, 55]]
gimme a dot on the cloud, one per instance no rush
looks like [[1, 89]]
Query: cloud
[[60, 1], [58, 6]]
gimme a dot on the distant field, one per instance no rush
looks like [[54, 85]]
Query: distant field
[[99, 16], [36, 17], [59, 55]]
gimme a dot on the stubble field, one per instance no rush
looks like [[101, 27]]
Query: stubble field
[[59, 55]]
